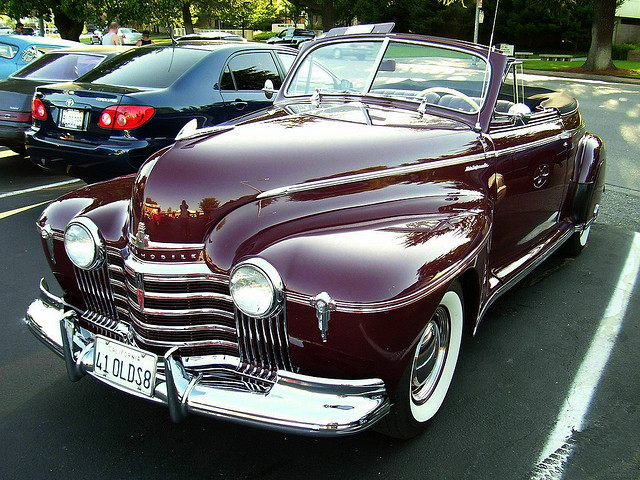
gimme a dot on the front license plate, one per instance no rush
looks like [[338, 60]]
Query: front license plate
[[71, 118], [127, 366]]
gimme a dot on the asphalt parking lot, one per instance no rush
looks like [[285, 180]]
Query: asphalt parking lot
[[547, 389]]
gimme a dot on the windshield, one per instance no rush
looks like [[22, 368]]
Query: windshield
[[446, 77]]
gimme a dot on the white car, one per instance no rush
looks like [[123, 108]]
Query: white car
[[129, 36], [212, 36], [6, 31]]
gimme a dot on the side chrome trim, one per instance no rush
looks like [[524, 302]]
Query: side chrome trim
[[535, 256], [404, 170], [363, 177]]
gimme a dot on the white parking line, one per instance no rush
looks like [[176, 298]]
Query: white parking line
[[38, 188], [571, 418]]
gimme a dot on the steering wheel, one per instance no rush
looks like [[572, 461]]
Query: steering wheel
[[453, 92]]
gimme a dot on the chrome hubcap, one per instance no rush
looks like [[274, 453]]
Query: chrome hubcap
[[430, 356], [541, 175]]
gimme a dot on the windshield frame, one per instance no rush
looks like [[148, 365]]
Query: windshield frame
[[385, 40]]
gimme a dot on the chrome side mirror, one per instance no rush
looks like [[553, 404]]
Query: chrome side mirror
[[520, 111], [268, 88]]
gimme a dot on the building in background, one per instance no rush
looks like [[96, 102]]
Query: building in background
[[627, 28]]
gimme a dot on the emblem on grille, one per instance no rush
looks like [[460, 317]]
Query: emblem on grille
[[140, 285], [69, 102], [142, 239]]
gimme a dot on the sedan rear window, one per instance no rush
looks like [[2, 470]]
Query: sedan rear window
[[146, 68]]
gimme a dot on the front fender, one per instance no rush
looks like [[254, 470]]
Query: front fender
[[106, 204], [386, 264]]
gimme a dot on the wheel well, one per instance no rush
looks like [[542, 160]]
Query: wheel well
[[470, 283]]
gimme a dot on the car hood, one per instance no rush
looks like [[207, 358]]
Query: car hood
[[183, 192]]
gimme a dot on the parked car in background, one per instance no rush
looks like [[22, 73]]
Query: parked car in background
[[6, 30], [211, 36], [109, 121], [129, 36], [16, 91], [18, 50], [312, 267], [292, 37], [94, 37]]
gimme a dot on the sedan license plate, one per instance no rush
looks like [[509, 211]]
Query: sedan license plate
[[127, 366], [71, 118]]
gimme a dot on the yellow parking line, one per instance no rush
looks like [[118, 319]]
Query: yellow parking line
[[4, 215], [7, 153]]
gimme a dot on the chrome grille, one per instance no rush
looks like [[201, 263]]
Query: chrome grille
[[185, 305]]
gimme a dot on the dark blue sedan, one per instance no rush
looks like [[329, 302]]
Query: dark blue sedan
[[110, 120], [16, 91]]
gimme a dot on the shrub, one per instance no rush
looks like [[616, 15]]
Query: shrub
[[262, 36], [619, 51]]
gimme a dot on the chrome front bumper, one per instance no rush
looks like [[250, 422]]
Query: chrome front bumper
[[295, 403]]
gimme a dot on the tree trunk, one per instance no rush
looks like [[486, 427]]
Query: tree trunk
[[328, 15], [324, 7], [604, 12], [186, 15], [68, 28]]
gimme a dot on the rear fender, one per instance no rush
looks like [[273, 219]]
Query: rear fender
[[588, 178]]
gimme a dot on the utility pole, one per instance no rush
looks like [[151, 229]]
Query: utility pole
[[478, 20]]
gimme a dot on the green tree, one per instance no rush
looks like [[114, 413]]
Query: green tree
[[69, 14]]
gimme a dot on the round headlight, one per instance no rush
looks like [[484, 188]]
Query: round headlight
[[83, 244], [256, 288]]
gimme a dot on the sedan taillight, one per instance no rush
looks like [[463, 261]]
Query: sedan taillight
[[125, 117], [37, 109]]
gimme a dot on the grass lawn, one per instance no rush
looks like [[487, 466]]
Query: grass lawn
[[626, 68]]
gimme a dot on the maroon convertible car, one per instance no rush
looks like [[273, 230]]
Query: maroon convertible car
[[313, 267]]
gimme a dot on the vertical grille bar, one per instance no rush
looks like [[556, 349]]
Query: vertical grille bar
[[277, 352], [88, 293], [264, 342], [268, 346]]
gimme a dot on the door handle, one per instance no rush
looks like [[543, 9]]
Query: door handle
[[238, 104]]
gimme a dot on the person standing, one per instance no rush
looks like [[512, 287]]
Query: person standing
[[145, 39], [112, 37]]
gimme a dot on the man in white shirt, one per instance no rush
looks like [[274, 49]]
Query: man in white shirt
[[112, 37]]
